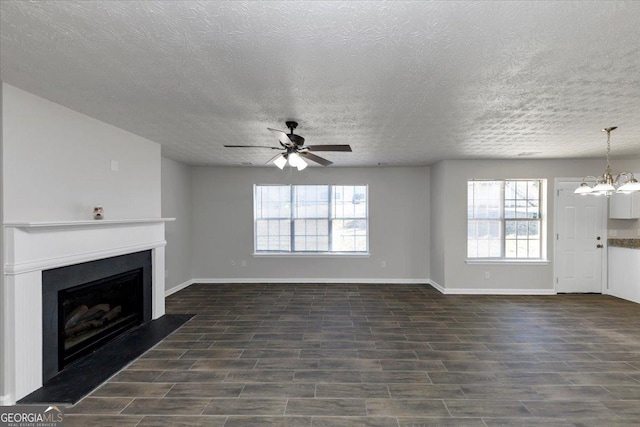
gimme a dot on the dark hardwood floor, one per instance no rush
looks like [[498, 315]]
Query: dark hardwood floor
[[379, 355]]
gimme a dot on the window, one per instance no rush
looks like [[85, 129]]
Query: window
[[310, 218], [504, 219]]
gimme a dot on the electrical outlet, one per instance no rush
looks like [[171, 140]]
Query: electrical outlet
[[383, 264], [613, 233], [638, 232], [115, 166], [233, 262], [244, 263], [487, 276]]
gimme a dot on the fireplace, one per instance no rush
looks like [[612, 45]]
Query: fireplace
[[37, 250], [87, 305]]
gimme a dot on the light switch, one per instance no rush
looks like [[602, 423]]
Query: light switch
[[115, 166]]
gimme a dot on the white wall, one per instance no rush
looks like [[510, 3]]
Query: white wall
[[177, 203], [57, 164], [452, 175], [398, 228], [2, 290]]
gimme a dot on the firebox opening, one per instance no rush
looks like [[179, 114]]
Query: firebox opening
[[88, 305], [93, 314]]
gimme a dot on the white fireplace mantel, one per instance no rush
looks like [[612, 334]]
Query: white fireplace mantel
[[32, 247], [85, 223]]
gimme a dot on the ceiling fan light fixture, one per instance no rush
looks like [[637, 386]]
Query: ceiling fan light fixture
[[280, 161], [295, 160], [302, 165]]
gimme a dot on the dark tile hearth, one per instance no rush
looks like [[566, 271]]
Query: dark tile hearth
[[81, 377], [379, 356]]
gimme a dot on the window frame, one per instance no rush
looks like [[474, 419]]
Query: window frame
[[330, 218], [541, 219]]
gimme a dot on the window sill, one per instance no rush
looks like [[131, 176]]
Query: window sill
[[311, 255], [508, 261]]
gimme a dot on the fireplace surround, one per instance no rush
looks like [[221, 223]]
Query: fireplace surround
[[32, 248]]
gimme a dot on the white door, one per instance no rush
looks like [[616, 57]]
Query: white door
[[581, 240]]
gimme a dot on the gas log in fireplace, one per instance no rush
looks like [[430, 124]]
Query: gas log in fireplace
[[87, 305], [91, 314]]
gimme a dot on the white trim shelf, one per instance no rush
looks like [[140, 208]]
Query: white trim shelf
[[85, 223]]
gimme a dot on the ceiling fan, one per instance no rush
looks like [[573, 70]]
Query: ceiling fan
[[293, 149]]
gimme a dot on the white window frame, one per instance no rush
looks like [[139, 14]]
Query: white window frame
[[542, 224], [292, 218]]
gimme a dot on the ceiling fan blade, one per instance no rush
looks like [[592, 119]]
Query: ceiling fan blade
[[282, 137], [337, 147], [317, 159], [252, 146]]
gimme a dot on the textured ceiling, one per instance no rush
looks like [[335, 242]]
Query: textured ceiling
[[405, 83]]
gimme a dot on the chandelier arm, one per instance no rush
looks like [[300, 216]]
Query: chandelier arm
[[629, 177], [595, 178]]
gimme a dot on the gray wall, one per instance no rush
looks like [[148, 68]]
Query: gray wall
[[451, 192], [177, 203], [438, 217], [398, 212], [57, 164]]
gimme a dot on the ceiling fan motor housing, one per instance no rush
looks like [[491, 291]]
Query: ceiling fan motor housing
[[296, 139]]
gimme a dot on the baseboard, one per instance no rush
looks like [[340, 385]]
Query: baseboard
[[311, 280], [616, 295], [435, 285], [179, 287], [473, 291]]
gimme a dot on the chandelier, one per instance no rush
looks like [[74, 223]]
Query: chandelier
[[605, 185]]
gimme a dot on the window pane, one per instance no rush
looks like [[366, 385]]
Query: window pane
[[534, 248], [510, 248], [273, 235], [311, 235], [487, 199], [349, 235], [484, 239], [272, 201], [349, 201], [311, 201]]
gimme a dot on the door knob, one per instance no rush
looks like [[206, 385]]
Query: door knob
[[599, 246]]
